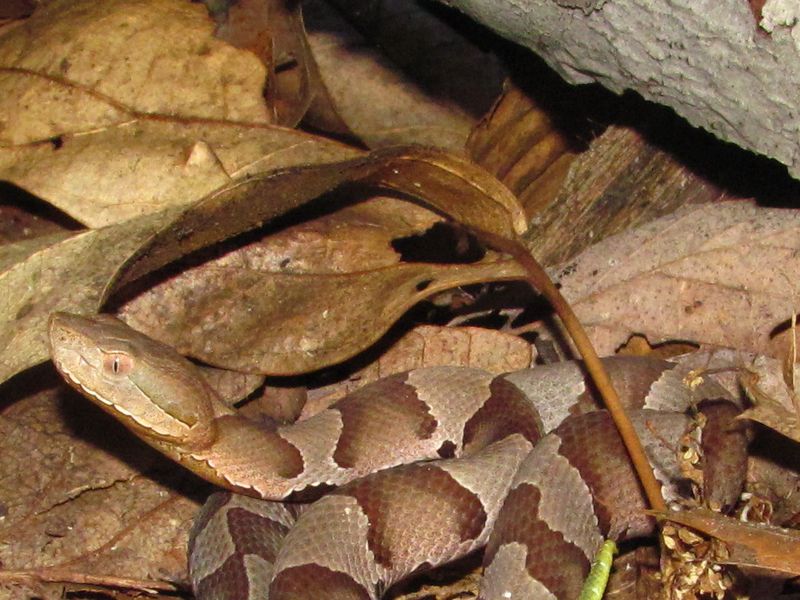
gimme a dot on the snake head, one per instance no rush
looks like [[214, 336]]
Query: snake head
[[154, 391]]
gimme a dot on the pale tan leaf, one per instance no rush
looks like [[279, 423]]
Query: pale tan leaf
[[11, 254], [133, 107], [77, 274], [77, 66], [776, 417], [122, 171], [384, 104], [67, 274], [721, 274]]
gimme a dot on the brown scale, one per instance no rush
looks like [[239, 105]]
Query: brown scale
[[632, 376], [250, 443], [603, 464], [251, 533], [371, 428], [507, 411], [254, 534], [724, 453], [315, 581], [397, 524], [229, 582], [557, 563]]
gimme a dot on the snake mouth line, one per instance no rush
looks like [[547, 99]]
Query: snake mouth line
[[86, 390], [115, 407]]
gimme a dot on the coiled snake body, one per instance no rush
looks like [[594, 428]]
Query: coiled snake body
[[428, 466]]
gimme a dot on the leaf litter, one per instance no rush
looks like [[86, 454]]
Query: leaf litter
[[216, 169]]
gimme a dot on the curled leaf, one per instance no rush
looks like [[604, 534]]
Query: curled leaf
[[767, 410], [444, 182]]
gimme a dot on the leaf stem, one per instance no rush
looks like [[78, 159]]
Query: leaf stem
[[540, 280]]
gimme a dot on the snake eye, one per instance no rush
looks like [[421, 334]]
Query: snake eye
[[117, 364]]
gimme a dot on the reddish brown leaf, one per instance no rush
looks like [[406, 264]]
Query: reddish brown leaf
[[750, 544]]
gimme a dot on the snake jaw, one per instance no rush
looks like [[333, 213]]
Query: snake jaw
[[120, 370]]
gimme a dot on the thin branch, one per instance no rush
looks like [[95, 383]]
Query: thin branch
[[65, 576]]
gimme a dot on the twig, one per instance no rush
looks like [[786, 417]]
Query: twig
[[51, 575]]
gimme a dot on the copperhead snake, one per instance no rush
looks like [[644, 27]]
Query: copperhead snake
[[428, 466]]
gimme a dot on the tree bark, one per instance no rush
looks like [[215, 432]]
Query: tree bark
[[713, 61]]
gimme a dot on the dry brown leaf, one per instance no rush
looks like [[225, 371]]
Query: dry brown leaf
[[273, 31], [767, 410], [379, 103], [144, 166], [77, 274], [436, 50], [61, 274], [231, 386], [293, 73], [106, 137], [715, 274], [285, 324], [77, 66], [11, 254], [18, 224], [449, 184], [749, 544], [76, 504], [356, 239]]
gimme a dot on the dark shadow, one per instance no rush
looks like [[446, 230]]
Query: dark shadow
[[444, 575], [25, 216], [584, 111]]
